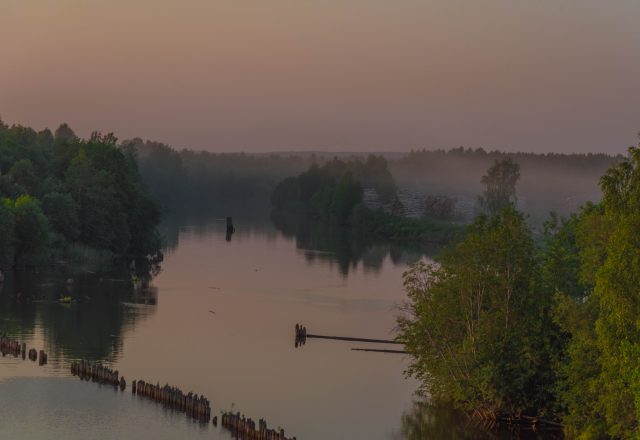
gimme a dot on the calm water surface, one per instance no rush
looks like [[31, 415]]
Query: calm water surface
[[218, 319]]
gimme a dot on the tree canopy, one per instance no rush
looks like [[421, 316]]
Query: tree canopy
[[60, 189], [504, 325]]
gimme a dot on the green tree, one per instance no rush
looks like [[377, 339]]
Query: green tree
[[477, 325], [23, 174], [62, 212], [346, 195], [500, 185], [602, 378], [64, 134], [31, 229], [7, 225], [561, 266]]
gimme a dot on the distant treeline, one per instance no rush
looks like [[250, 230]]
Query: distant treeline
[[549, 182], [206, 182], [186, 180], [332, 194], [61, 193]]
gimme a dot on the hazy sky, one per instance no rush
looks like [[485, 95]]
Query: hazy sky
[[257, 75]]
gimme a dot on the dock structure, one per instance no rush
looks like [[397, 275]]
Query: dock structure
[[302, 336]]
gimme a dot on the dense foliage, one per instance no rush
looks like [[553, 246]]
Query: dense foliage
[[477, 323], [503, 326], [602, 368], [333, 194], [329, 193], [59, 190]]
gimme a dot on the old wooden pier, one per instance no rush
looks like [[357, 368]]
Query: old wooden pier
[[302, 336]]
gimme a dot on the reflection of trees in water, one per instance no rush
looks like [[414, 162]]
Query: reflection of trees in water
[[436, 422], [247, 219], [332, 243], [322, 242], [105, 304], [425, 421]]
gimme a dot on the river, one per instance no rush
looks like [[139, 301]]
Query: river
[[217, 319]]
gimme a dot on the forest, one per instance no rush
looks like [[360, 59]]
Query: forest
[[506, 326], [332, 194], [65, 197], [198, 182], [201, 182]]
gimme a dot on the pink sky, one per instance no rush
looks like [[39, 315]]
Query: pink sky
[[385, 75]]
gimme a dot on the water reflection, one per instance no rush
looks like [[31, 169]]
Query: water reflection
[[210, 221], [426, 421], [437, 422], [104, 305], [326, 242]]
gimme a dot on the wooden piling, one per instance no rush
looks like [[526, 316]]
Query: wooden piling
[[230, 228], [193, 405], [243, 428]]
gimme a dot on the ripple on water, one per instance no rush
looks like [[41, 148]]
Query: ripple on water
[[67, 408]]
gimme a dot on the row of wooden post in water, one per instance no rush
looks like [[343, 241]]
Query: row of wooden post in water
[[96, 372], [245, 429], [193, 405], [17, 348]]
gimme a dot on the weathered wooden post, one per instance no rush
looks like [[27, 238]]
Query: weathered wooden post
[[230, 229]]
